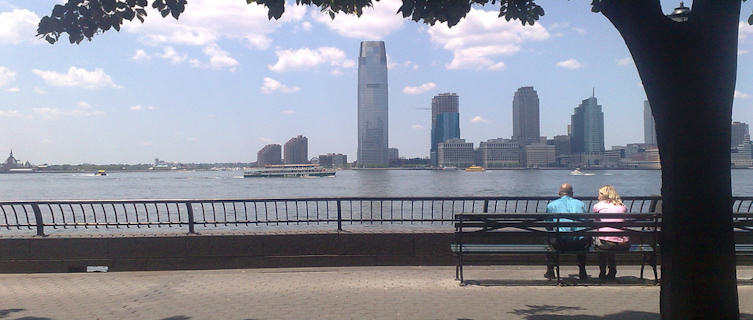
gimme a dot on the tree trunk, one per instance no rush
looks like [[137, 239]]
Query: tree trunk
[[688, 71]]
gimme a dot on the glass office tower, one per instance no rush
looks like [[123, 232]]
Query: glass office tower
[[373, 138]]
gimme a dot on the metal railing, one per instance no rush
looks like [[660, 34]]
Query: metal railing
[[189, 215]]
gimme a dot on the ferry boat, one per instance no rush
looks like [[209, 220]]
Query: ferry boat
[[100, 173], [289, 171], [475, 169]]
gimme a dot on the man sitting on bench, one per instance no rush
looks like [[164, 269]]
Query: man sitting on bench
[[566, 204]]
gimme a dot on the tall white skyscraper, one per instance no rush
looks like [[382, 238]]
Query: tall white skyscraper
[[649, 126], [373, 127]]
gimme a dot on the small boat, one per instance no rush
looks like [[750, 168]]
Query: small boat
[[100, 173], [475, 169], [449, 168], [577, 172], [290, 171]]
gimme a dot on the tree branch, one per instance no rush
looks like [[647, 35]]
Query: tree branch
[[631, 14]]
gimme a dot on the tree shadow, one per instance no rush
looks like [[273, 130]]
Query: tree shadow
[[176, 318], [33, 318], [6, 312], [545, 312], [532, 309], [568, 280]]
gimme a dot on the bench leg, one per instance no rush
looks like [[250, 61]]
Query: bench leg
[[653, 264], [643, 263]]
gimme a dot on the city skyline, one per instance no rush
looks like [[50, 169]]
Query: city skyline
[[220, 84]]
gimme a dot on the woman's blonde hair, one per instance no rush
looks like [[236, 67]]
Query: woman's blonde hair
[[610, 195]]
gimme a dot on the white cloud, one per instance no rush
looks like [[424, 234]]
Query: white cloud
[[571, 64], [288, 112], [140, 55], [481, 38], [82, 109], [497, 66], [741, 95], [265, 139], [146, 143], [419, 89], [173, 56], [417, 127], [271, 86], [6, 76], [479, 119], [307, 59], [745, 30], [375, 23], [558, 27], [13, 89], [206, 22], [392, 64], [306, 25], [139, 107], [624, 61], [17, 26], [741, 52], [219, 58], [77, 77], [39, 90], [11, 114]]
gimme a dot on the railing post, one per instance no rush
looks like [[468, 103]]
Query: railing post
[[189, 209], [486, 205], [339, 216], [38, 218]]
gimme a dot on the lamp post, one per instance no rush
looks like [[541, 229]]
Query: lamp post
[[680, 14]]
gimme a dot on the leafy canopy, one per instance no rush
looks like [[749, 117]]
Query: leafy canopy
[[83, 19]]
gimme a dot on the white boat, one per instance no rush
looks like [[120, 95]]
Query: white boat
[[289, 171], [577, 172], [449, 168]]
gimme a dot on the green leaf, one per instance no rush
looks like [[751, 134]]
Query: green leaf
[[750, 19], [50, 39]]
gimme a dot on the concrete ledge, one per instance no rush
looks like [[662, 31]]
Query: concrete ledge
[[230, 251], [177, 252]]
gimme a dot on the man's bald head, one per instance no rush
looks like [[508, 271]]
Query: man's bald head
[[566, 190]]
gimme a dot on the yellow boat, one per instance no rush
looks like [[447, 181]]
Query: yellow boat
[[475, 169], [100, 173]]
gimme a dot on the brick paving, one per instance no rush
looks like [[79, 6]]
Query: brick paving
[[498, 292]]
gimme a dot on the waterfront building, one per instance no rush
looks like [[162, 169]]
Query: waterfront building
[[445, 121], [499, 153], [393, 154], [613, 158], [297, 150], [587, 127], [373, 138], [587, 160], [13, 164], [525, 116], [456, 153], [649, 125], [645, 159], [538, 155], [269, 154], [738, 132], [333, 160]]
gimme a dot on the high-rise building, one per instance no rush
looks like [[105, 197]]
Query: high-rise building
[[445, 121], [456, 153], [373, 139], [739, 130], [297, 150], [587, 127], [393, 154], [649, 126], [525, 116], [270, 154]]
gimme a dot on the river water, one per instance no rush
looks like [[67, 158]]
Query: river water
[[356, 183]]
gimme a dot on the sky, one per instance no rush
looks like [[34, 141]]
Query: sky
[[223, 81]]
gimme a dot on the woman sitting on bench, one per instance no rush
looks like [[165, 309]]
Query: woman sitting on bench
[[609, 202]]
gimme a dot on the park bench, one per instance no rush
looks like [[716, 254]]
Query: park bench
[[528, 233]]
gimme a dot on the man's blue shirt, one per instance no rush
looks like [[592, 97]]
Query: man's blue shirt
[[566, 204]]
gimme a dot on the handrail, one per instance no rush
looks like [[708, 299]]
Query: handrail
[[128, 215]]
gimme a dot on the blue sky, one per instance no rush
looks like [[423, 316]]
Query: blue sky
[[224, 81]]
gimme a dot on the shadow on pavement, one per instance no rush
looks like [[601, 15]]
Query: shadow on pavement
[[176, 318], [544, 312], [4, 313], [569, 280], [33, 318]]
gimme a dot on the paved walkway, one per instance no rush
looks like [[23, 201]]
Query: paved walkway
[[502, 292]]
